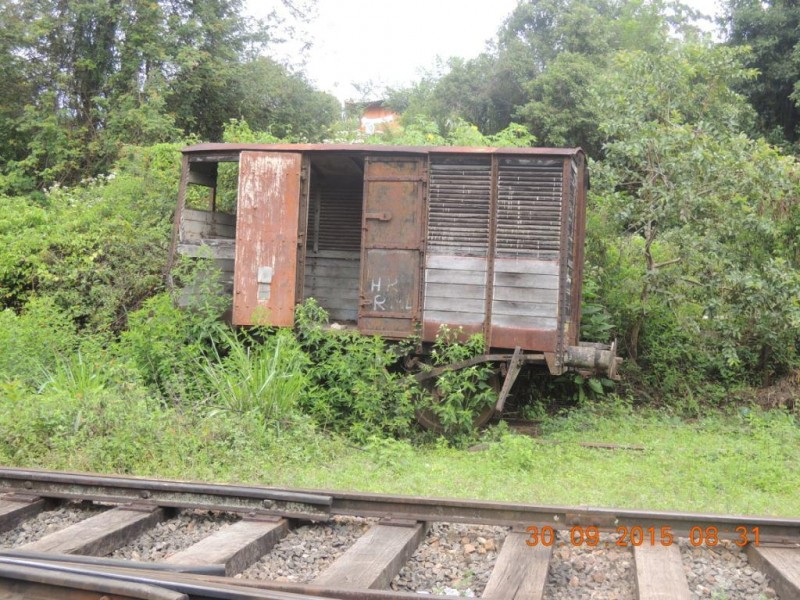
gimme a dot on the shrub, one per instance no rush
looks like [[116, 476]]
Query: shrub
[[165, 342], [351, 387], [34, 341], [456, 397]]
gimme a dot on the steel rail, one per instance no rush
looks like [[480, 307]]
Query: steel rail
[[168, 585], [95, 561], [320, 505], [249, 588], [58, 581]]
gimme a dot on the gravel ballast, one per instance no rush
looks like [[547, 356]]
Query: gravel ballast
[[605, 572], [306, 551], [174, 535], [722, 571], [452, 560], [47, 522]]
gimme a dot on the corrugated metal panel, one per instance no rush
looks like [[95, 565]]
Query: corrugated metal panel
[[458, 241], [529, 207], [526, 265], [458, 207]]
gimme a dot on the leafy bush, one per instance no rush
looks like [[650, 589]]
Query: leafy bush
[[35, 341], [352, 388], [456, 397], [165, 342], [696, 249], [96, 250]]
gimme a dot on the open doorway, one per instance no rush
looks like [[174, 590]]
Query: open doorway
[[333, 249]]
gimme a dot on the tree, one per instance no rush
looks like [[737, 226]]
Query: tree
[[85, 77], [771, 29], [285, 104], [546, 56], [707, 218], [210, 41]]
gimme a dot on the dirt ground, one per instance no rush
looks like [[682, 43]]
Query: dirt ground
[[784, 393]]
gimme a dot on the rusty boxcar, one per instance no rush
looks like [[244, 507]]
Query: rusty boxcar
[[398, 241]]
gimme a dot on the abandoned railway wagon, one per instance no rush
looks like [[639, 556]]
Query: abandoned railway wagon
[[398, 241]]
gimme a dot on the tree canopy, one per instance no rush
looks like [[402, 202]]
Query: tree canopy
[[86, 76]]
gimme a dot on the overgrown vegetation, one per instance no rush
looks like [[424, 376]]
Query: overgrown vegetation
[[84, 78], [692, 256], [456, 398]]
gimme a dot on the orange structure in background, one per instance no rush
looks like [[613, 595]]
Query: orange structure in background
[[376, 117]]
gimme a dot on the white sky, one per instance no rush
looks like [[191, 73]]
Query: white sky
[[394, 43]]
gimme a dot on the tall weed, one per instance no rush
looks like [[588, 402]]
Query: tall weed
[[266, 377], [74, 376], [34, 341]]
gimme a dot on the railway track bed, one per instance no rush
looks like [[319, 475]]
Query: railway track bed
[[89, 536]]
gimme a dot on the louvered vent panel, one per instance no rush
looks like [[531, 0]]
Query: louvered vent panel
[[458, 210], [338, 225], [529, 208]]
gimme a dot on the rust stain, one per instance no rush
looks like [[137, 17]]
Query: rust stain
[[391, 258], [266, 238]]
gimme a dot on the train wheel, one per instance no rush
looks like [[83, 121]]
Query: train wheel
[[428, 418]]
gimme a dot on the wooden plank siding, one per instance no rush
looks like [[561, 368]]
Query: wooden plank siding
[[455, 290], [332, 278], [205, 234], [526, 294], [208, 234], [202, 224]]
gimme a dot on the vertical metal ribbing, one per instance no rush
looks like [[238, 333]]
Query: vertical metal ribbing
[[563, 257], [490, 254]]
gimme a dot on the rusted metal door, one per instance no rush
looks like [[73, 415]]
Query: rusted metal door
[[391, 260], [266, 238]]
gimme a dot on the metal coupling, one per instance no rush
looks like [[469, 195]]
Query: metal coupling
[[600, 359]]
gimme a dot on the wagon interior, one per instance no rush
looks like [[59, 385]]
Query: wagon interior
[[207, 228], [333, 235]]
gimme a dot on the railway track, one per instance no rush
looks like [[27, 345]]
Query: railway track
[[79, 536]]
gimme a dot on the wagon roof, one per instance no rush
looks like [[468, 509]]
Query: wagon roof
[[234, 149]]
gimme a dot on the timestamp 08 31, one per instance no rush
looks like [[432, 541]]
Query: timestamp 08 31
[[640, 536]]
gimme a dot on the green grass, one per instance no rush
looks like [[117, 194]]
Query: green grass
[[746, 462], [720, 464]]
